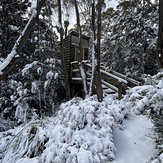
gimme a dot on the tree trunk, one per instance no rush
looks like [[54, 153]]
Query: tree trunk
[[62, 51], [83, 76], [29, 27], [94, 54], [6, 51], [160, 36], [22, 38], [98, 73]]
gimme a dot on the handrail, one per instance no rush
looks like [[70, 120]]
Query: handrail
[[131, 82], [110, 79]]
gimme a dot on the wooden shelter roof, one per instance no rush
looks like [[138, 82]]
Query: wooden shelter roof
[[76, 34]]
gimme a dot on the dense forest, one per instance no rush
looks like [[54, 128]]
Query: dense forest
[[127, 39]]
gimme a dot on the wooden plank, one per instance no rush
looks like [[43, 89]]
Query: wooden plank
[[120, 91], [109, 85], [131, 82]]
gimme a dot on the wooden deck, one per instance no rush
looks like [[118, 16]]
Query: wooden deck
[[112, 81]]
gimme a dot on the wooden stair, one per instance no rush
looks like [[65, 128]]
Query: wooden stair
[[112, 81]]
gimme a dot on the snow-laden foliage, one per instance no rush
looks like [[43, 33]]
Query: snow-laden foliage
[[33, 93], [130, 38], [83, 133], [28, 142], [147, 98], [80, 132], [6, 137], [12, 21]]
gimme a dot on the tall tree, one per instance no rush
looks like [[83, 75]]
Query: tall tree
[[22, 38], [83, 76], [94, 54], [11, 23], [98, 73], [62, 50], [160, 36]]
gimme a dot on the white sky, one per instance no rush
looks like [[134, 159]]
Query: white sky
[[112, 3], [72, 20]]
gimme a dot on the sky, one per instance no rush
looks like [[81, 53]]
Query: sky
[[72, 20], [112, 3]]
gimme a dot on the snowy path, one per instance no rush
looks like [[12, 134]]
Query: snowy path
[[134, 144]]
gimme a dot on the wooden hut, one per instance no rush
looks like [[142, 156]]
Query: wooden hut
[[71, 46], [71, 43]]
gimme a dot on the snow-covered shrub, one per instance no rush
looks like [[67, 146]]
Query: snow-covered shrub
[[29, 142], [83, 133], [32, 93], [43, 81], [80, 132], [147, 98], [5, 139]]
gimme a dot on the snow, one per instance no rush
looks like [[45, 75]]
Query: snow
[[111, 3], [120, 80], [88, 131], [14, 28], [13, 52], [49, 75], [93, 64], [28, 67], [34, 87], [83, 77], [135, 140], [7, 60]]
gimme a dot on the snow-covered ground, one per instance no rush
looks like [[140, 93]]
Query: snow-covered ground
[[88, 131], [135, 142]]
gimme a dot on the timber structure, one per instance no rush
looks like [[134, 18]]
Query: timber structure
[[71, 43], [112, 82]]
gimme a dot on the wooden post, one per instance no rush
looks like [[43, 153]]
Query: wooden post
[[120, 91], [71, 69], [98, 73], [62, 51], [160, 36]]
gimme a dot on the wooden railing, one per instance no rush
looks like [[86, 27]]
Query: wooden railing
[[110, 79]]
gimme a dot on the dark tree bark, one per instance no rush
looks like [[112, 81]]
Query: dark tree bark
[[79, 30], [6, 49], [94, 54], [62, 51], [83, 77], [160, 36], [98, 73]]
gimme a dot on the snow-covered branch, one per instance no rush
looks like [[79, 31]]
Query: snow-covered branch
[[22, 38]]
